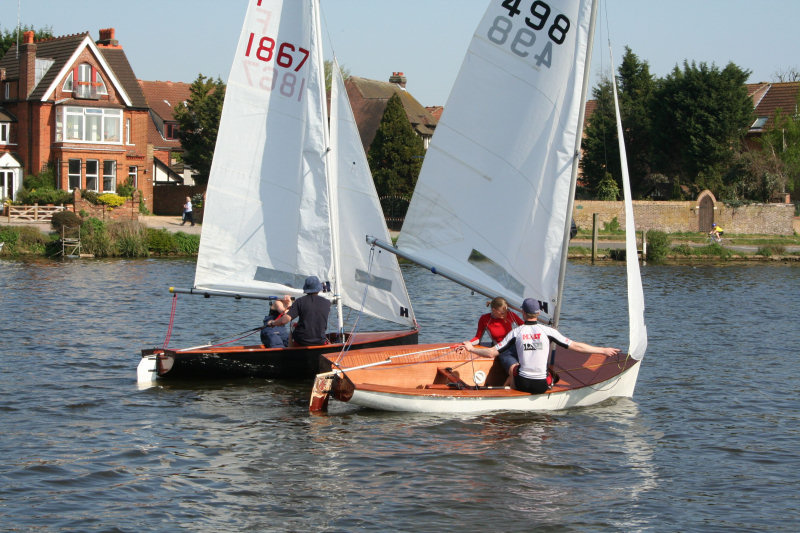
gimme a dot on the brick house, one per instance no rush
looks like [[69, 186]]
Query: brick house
[[162, 98], [74, 104], [368, 98]]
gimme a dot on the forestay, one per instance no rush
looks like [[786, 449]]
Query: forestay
[[491, 200]]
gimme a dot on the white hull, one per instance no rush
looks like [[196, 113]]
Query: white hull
[[621, 385]]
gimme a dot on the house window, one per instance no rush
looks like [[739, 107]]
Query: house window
[[171, 131], [5, 132], [74, 174], [6, 185], [133, 176], [109, 176], [89, 82], [89, 124], [759, 123], [8, 91], [92, 174], [128, 131]]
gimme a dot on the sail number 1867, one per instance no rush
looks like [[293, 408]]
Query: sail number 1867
[[522, 40]]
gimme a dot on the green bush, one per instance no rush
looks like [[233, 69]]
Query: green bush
[[612, 226], [770, 250], [682, 249], [130, 238], [160, 241], [658, 244], [22, 240], [126, 189], [44, 196], [187, 244], [110, 199], [90, 196], [95, 238], [66, 219]]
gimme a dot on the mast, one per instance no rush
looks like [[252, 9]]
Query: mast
[[576, 159], [331, 172]]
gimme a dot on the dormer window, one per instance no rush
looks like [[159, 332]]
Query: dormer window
[[759, 123], [85, 82]]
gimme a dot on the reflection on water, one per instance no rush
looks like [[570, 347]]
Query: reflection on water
[[710, 440]]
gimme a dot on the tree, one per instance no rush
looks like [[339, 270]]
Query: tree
[[601, 160], [328, 67], [198, 122], [700, 115], [395, 156], [9, 38]]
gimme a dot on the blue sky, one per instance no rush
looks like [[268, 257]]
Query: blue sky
[[426, 39]]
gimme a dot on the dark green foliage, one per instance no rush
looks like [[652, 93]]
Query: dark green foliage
[[66, 219], [658, 245], [90, 196], [40, 189], [9, 38], [127, 189], [395, 156], [160, 241], [198, 122], [700, 116], [770, 250]]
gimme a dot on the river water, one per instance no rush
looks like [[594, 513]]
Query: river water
[[710, 441]]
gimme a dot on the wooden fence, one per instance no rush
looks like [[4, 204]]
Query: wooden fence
[[32, 213]]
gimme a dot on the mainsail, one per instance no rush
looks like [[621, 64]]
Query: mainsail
[[281, 195], [491, 200]]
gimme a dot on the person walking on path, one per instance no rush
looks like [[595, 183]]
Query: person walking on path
[[187, 212]]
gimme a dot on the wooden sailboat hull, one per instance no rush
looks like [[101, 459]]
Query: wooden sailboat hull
[[256, 361], [436, 379]]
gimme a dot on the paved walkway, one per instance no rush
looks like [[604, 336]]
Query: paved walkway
[[171, 224]]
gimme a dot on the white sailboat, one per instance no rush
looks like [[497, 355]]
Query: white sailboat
[[508, 143], [290, 195]]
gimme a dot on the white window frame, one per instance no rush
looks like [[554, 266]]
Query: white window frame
[[72, 175], [7, 184], [94, 125], [5, 133], [92, 175], [109, 175], [133, 176]]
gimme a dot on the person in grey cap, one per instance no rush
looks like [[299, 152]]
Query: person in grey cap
[[312, 312], [532, 341]]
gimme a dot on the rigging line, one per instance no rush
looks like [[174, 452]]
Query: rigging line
[[348, 342]]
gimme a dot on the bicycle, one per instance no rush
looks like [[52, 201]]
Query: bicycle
[[714, 238]]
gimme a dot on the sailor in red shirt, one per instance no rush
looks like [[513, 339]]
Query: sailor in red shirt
[[499, 322]]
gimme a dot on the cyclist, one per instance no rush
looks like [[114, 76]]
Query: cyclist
[[716, 232]]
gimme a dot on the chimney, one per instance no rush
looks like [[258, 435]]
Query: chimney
[[398, 78], [27, 64], [107, 38]]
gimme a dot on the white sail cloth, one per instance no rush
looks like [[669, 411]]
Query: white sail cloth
[[496, 178], [271, 217]]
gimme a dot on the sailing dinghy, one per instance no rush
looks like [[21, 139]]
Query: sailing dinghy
[[491, 211], [290, 195]]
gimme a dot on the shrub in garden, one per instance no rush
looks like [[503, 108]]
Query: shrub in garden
[[66, 219]]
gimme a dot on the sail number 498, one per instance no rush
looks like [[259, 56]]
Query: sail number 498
[[524, 38]]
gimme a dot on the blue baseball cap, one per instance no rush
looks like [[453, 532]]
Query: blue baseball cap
[[531, 306]]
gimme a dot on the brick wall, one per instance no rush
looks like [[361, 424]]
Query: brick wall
[[672, 217], [169, 199], [128, 211]]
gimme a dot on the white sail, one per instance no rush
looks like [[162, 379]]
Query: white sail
[[496, 179], [360, 270], [636, 326], [266, 222]]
